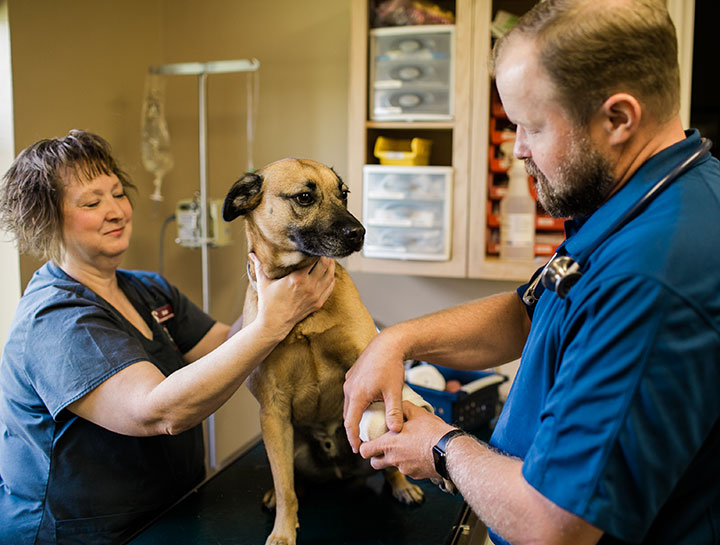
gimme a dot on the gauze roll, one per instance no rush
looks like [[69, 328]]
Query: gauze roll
[[372, 423]]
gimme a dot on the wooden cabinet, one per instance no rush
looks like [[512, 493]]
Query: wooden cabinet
[[451, 142], [461, 143]]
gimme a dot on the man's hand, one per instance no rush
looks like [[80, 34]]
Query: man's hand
[[411, 449], [378, 375]]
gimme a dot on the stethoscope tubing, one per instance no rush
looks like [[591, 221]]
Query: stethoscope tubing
[[651, 194], [705, 144]]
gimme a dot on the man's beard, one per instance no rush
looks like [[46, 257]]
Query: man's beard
[[581, 185]]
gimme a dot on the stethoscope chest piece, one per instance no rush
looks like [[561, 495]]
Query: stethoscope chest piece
[[560, 274]]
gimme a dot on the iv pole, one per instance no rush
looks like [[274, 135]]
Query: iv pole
[[202, 70]]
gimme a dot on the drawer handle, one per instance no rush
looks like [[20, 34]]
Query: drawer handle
[[409, 73], [409, 100]]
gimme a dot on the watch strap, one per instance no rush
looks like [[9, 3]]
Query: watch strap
[[440, 451]]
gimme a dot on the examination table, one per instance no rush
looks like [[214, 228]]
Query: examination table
[[227, 509]]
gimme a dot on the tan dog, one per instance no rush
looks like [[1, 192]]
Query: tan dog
[[295, 212]]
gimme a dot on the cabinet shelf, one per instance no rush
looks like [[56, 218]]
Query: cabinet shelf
[[410, 125]]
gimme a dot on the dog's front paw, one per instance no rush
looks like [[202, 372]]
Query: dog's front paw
[[280, 540], [403, 490], [283, 534], [284, 530], [408, 493]]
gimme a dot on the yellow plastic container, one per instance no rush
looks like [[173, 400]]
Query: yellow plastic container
[[399, 152]]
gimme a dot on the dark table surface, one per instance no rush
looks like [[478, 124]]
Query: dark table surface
[[227, 509]]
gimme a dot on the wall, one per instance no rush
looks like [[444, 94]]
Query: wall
[[10, 271], [81, 64]]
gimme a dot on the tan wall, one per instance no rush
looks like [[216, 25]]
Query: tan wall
[[10, 271]]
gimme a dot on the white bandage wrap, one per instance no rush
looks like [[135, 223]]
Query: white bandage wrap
[[372, 423]]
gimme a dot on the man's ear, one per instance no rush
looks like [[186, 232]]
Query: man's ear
[[244, 196], [621, 115]]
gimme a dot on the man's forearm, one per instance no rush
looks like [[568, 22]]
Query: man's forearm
[[493, 485], [476, 335]]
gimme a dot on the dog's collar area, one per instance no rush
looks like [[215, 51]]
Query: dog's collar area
[[252, 280]]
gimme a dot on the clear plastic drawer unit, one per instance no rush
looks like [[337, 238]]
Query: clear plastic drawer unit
[[412, 73], [406, 212]]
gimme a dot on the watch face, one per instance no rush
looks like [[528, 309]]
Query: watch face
[[437, 454], [439, 460]]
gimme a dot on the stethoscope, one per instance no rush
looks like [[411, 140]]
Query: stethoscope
[[562, 271]]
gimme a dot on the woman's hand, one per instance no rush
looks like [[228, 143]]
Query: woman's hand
[[378, 374], [282, 303], [411, 449]]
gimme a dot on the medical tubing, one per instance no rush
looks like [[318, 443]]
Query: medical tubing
[[161, 252]]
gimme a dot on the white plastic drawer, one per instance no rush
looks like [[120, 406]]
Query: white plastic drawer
[[407, 212], [406, 182], [412, 42], [411, 104], [399, 243], [412, 73], [394, 74]]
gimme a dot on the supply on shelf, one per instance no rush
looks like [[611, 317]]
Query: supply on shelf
[[410, 12], [403, 152], [517, 211]]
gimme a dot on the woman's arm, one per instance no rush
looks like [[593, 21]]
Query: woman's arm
[[140, 400]]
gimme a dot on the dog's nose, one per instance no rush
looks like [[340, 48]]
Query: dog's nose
[[353, 233]]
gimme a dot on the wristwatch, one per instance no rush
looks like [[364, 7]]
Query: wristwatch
[[440, 449]]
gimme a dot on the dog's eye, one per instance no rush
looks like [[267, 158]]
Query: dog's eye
[[344, 194], [304, 199]]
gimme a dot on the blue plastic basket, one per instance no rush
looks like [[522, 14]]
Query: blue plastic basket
[[467, 411]]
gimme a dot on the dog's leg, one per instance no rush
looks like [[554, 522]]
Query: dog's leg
[[278, 437], [402, 489]]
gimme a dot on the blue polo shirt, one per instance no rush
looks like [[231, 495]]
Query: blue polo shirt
[[615, 409]]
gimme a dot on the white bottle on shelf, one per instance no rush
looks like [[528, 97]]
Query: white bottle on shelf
[[517, 212]]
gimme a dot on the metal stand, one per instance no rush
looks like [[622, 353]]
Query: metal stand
[[202, 70]]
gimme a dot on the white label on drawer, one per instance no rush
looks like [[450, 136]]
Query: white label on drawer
[[389, 84], [391, 222], [387, 110], [386, 195]]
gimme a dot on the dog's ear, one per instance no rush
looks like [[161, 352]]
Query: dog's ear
[[244, 196]]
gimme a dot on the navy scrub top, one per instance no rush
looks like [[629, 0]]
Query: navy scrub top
[[64, 479], [615, 409]]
